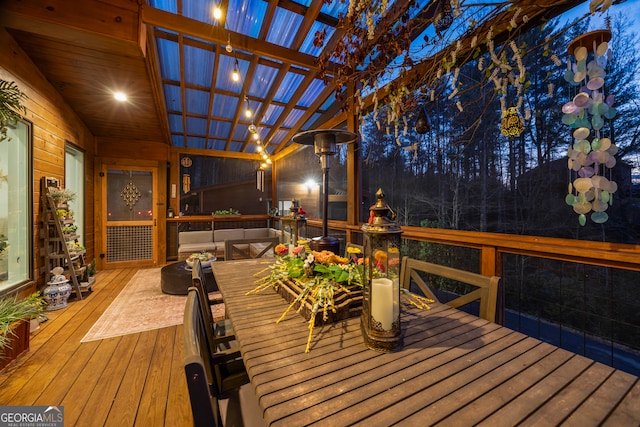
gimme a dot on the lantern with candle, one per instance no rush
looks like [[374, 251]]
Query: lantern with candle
[[380, 320]]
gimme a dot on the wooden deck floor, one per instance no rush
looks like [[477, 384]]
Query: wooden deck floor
[[134, 380]]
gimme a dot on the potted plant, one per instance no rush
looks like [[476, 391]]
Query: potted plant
[[226, 212], [11, 98], [14, 324], [61, 195]]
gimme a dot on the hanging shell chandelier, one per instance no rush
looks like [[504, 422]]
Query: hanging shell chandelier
[[592, 155]]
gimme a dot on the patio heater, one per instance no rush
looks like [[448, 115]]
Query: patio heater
[[325, 143]]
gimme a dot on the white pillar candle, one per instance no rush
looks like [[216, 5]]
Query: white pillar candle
[[382, 302]]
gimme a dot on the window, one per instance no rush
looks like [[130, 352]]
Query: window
[[15, 206], [74, 177]]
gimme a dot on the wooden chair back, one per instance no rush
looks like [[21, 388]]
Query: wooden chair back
[[486, 292], [197, 366], [241, 248], [226, 361], [349, 255]]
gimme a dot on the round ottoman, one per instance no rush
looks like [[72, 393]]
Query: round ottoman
[[175, 279]]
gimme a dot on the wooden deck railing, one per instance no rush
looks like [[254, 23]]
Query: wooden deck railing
[[492, 245]]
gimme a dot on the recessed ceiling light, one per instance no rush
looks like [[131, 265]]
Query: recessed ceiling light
[[120, 96]]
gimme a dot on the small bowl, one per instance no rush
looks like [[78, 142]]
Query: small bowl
[[205, 263]]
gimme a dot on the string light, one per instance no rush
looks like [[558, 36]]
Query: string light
[[235, 75], [228, 47], [217, 13]]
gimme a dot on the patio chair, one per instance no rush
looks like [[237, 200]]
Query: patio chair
[[486, 292], [197, 366], [199, 281], [228, 368], [215, 373]]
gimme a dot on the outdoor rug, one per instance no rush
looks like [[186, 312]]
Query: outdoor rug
[[142, 306]]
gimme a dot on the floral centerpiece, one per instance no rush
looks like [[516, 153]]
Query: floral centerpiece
[[320, 276]]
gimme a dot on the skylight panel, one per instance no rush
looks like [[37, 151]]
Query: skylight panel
[[200, 10], [284, 27], [224, 106], [169, 58], [177, 140], [195, 142], [166, 5], [198, 66], [235, 146], [314, 117], [197, 101], [219, 129], [312, 93], [218, 144], [196, 126], [288, 87], [241, 132], [305, 3], [175, 123], [172, 97], [262, 80], [246, 16], [329, 102], [272, 114], [292, 118], [278, 137]]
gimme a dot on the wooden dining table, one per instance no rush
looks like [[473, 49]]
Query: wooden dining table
[[454, 369]]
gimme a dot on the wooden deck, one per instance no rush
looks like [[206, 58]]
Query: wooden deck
[[134, 380]]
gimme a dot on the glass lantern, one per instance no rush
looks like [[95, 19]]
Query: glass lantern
[[380, 321]]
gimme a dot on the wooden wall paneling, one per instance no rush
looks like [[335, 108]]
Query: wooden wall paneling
[[132, 149], [53, 122]]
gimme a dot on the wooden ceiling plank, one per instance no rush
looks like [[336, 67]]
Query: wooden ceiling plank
[[86, 23]]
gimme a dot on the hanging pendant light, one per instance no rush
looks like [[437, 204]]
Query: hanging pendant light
[[235, 75], [247, 112], [422, 122]]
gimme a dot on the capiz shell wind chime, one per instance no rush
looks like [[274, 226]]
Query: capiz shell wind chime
[[380, 319], [591, 156]]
